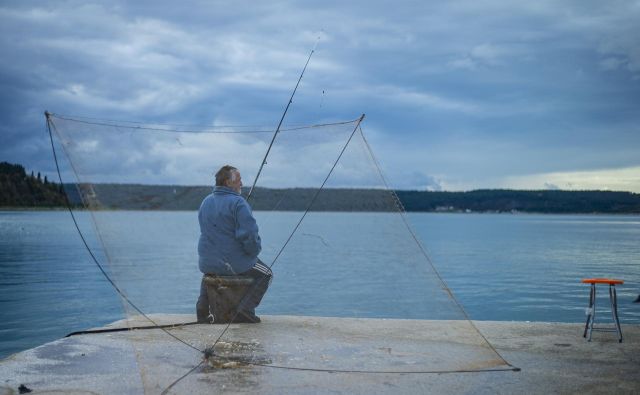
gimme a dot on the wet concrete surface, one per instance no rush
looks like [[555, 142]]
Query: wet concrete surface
[[310, 355]]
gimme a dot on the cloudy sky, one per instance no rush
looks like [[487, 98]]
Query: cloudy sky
[[458, 95]]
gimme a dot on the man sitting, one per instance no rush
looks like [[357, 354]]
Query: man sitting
[[229, 245]]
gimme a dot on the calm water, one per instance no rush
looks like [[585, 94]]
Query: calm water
[[500, 267]]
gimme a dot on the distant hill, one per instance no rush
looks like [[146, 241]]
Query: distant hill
[[172, 197], [18, 189], [506, 200], [162, 197]]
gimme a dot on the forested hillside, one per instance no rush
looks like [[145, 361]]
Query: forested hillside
[[19, 189]]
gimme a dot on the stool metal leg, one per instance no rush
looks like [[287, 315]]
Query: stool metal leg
[[589, 311], [614, 310], [592, 315]]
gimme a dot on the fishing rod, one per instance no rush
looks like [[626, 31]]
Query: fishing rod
[[273, 139]]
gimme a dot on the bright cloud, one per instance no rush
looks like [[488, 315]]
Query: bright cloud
[[625, 179]]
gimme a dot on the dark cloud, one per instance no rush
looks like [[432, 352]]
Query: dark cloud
[[461, 93]]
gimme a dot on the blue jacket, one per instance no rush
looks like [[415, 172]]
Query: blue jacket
[[229, 242]]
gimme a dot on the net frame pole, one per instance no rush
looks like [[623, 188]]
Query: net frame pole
[[273, 139]]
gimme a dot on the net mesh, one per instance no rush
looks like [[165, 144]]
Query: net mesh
[[336, 236]]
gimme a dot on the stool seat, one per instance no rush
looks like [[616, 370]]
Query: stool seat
[[226, 295], [609, 281], [591, 310]]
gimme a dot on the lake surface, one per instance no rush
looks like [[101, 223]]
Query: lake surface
[[499, 267]]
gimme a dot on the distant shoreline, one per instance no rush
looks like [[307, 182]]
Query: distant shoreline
[[20, 191], [136, 197], [40, 209], [31, 208]]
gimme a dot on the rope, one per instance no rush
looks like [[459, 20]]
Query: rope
[[86, 245], [204, 131], [343, 371], [130, 328], [166, 390], [423, 250], [348, 371]]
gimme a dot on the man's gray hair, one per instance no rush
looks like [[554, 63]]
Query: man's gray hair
[[226, 173]]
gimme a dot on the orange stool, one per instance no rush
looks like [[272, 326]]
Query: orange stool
[[591, 310]]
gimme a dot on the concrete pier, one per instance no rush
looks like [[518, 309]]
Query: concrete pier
[[311, 355]]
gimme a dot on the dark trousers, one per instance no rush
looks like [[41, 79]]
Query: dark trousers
[[262, 276]]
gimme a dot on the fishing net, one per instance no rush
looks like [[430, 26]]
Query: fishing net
[[334, 233]]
